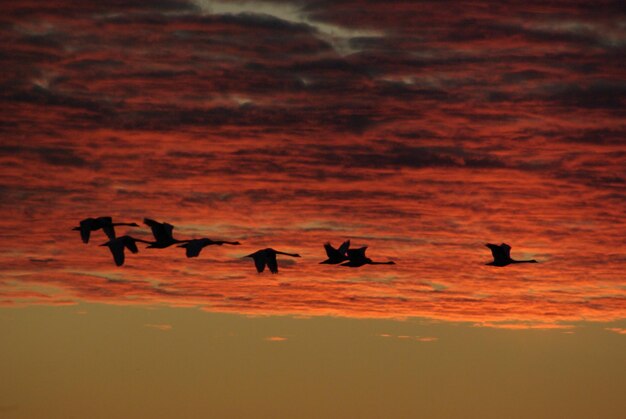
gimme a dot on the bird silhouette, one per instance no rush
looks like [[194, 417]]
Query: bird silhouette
[[268, 257], [195, 246], [117, 246], [105, 223], [357, 258], [502, 255], [162, 233], [336, 256]]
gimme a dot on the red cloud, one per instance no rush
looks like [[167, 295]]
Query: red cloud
[[438, 132]]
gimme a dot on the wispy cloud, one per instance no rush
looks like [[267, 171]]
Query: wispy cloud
[[276, 338], [408, 337], [159, 326]]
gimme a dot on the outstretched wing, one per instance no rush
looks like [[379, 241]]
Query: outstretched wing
[[193, 248], [168, 228], [500, 253], [259, 261], [85, 229], [495, 250], [272, 263], [506, 250], [109, 230], [130, 244], [154, 226], [331, 251], [117, 250], [162, 232], [344, 247]]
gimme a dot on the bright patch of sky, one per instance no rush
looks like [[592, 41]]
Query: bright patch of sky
[[338, 36]]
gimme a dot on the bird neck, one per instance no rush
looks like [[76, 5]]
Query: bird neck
[[288, 254]]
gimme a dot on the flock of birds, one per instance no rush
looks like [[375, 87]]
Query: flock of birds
[[163, 237]]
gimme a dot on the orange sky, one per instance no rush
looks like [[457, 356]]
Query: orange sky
[[418, 131]]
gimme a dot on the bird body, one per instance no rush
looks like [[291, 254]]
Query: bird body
[[107, 225], [117, 246], [336, 256], [267, 257], [357, 258], [195, 246], [502, 255], [162, 233]]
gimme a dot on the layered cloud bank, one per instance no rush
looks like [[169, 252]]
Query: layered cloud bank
[[421, 129]]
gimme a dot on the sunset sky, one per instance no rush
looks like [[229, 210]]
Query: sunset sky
[[421, 129]]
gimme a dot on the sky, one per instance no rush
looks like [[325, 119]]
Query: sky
[[418, 131], [421, 129]]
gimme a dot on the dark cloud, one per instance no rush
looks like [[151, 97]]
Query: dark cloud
[[600, 94], [525, 75], [399, 155], [44, 97], [56, 156], [45, 260], [597, 136], [74, 8]]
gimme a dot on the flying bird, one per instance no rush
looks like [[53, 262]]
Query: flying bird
[[162, 233], [357, 258], [195, 246], [117, 246], [502, 255], [336, 256], [268, 257], [105, 223]]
